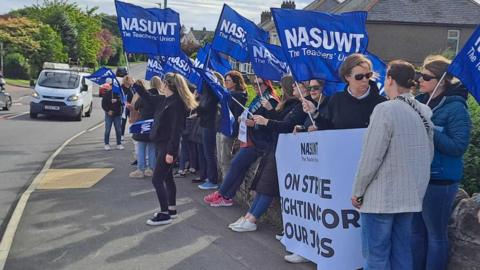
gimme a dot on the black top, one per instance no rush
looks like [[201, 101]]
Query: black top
[[345, 111], [207, 108], [169, 119], [288, 118], [109, 105], [128, 92], [146, 111]]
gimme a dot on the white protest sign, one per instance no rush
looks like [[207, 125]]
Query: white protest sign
[[316, 171], [242, 128]]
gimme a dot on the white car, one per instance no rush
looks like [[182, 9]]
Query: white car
[[62, 92]]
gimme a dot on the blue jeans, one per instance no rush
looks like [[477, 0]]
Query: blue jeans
[[386, 241], [117, 122], [146, 150], [184, 155], [240, 163], [260, 205], [430, 228], [209, 136]]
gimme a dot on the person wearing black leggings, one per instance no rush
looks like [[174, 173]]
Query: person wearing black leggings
[[169, 121]]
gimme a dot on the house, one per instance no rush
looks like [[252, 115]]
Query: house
[[197, 37], [405, 29]]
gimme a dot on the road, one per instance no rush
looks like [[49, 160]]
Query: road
[[25, 144]]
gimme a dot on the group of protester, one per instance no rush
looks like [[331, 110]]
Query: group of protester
[[409, 171]]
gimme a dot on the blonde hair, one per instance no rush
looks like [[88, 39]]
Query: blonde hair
[[177, 84], [352, 61], [128, 78], [142, 83], [220, 78], [156, 83]]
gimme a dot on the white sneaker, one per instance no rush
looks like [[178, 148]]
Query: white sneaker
[[245, 226], [120, 147], [236, 223], [279, 236], [107, 147], [136, 174], [148, 172], [295, 258]]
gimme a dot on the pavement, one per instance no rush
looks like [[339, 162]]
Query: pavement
[[95, 219]]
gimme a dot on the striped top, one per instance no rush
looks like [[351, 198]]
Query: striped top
[[394, 168]]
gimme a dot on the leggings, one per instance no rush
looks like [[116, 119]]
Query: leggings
[[163, 179]]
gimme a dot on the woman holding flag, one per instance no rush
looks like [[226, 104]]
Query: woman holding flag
[[448, 101], [258, 141], [169, 120]]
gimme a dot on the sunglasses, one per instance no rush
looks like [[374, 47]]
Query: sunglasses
[[427, 77], [314, 88], [360, 77]]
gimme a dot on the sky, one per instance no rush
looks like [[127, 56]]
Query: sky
[[193, 13]]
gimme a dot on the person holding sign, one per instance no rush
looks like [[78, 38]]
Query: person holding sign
[[169, 120], [288, 113], [352, 108], [259, 141], [315, 104], [393, 171], [448, 100]]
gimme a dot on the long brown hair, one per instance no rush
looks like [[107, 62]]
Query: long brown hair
[[238, 80], [177, 84]]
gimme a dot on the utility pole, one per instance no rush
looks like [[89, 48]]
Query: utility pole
[[2, 52], [164, 3]]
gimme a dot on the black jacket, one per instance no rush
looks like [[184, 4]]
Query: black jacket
[[207, 108], [169, 119], [146, 110], [236, 109], [108, 105], [261, 137], [345, 111]]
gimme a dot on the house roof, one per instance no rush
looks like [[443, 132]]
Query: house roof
[[323, 5], [458, 12]]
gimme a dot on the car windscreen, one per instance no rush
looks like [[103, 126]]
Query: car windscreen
[[58, 80]]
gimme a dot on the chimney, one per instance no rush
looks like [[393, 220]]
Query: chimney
[[288, 4], [266, 16], [204, 29], [191, 28]]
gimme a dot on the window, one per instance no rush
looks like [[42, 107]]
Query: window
[[453, 39], [274, 38]]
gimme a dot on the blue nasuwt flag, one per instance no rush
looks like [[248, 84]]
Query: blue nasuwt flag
[[466, 65], [227, 120], [154, 68], [268, 60], [180, 64], [378, 66], [316, 43], [215, 61], [104, 75], [148, 30], [231, 34], [141, 127]]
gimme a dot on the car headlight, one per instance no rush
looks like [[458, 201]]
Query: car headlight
[[73, 98], [35, 95]]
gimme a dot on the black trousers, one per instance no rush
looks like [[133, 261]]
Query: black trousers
[[163, 179]]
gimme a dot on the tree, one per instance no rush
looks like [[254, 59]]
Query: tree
[[107, 41], [51, 49], [17, 35]]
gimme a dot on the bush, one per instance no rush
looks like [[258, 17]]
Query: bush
[[16, 67], [471, 178]]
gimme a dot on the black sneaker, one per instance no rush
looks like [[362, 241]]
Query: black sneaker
[[134, 163], [159, 219], [173, 213], [198, 180]]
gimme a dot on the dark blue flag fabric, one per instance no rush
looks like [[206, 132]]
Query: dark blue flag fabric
[[268, 60], [316, 43], [215, 61], [154, 68], [231, 34], [466, 65], [378, 66], [227, 119], [150, 31], [103, 75], [141, 127]]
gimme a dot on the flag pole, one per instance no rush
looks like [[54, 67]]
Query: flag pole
[[303, 100]]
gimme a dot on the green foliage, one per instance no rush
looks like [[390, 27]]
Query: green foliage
[[16, 66], [17, 35], [471, 178], [51, 49]]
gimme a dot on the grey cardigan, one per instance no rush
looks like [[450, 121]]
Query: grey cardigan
[[394, 168]]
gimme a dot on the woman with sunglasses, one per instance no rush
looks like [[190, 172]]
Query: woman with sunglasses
[[169, 120], [451, 139], [259, 141], [316, 105], [393, 171], [352, 107], [287, 114]]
